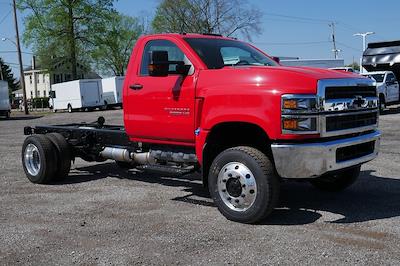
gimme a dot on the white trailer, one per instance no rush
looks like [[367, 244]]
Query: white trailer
[[84, 94], [5, 107], [112, 91]]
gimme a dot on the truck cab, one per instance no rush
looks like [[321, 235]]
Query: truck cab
[[223, 108], [387, 85]]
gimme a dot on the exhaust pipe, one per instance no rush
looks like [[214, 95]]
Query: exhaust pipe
[[117, 154], [123, 155], [151, 157]]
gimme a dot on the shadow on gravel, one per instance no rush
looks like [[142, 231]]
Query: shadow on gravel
[[198, 194], [16, 118], [370, 198]]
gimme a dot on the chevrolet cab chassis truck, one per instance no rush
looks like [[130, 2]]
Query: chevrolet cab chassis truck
[[219, 106]]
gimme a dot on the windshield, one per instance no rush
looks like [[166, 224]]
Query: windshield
[[377, 77], [218, 53]]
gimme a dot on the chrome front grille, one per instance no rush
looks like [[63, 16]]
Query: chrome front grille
[[353, 120], [347, 106]]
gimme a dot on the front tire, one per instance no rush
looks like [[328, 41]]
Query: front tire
[[337, 181], [69, 108], [39, 159], [243, 184]]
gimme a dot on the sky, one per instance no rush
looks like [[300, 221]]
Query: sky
[[296, 28]]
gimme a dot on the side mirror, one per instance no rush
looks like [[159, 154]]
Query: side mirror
[[276, 59], [159, 64]]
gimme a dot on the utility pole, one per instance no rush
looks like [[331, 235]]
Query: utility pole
[[21, 68], [335, 50], [364, 37]]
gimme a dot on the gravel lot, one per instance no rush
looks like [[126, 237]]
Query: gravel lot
[[103, 215]]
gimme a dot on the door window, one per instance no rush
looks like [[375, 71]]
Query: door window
[[390, 78], [174, 54]]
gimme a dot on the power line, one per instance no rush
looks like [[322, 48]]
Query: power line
[[348, 46], [5, 17], [299, 18], [291, 43], [10, 52]]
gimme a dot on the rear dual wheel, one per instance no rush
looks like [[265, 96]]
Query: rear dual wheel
[[46, 158]]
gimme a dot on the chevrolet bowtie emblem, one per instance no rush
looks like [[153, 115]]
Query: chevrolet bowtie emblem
[[359, 101]]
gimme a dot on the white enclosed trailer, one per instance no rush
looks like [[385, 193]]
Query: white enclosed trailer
[[112, 91], [5, 106], [77, 95]]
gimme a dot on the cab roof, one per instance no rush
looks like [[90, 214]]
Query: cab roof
[[192, 35]]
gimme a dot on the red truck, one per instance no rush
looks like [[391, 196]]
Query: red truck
[[219, 106]]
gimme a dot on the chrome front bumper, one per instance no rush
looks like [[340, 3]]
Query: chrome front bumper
[[315, 159]]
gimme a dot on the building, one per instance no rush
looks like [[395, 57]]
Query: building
[[38, 81]]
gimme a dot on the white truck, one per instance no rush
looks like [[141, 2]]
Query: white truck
[[5, 107], [112, 91], [388, 87], [84, 94]]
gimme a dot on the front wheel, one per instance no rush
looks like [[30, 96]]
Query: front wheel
[[243, 184], [337, 181], [69, 108]]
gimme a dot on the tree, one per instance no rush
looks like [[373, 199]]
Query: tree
[[113, 48], [7, 75], [226, 17], [354, 65], [63, 30]]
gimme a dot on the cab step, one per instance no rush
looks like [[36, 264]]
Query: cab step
[[166, 170]]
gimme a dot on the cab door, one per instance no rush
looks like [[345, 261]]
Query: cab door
[[162, 108], [392, 87]]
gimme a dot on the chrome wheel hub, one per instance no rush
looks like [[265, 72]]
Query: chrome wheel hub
[[237, 186], [32, 159]]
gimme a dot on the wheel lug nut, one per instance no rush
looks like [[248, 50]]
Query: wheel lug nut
[[229, 198], [244, 185], [237, 167], [237, 201], [230, 175], [243, 195], [251, 191], [248, 176], [224, 180]]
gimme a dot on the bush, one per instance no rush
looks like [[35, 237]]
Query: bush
[[42, 102]]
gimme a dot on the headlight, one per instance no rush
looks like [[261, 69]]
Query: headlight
[[299, 114], [299, 103]]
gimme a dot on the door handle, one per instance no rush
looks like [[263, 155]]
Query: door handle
[[136, 86]]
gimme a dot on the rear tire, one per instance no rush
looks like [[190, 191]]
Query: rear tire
[[64, 155], [243, 184], [337, 181], [39, 159], [382, 104]]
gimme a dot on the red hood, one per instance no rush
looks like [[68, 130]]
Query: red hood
[[316, 73], [281, 79]]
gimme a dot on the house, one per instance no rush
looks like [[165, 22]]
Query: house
[[38, 81]]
